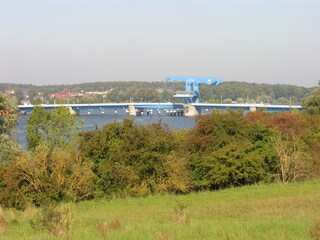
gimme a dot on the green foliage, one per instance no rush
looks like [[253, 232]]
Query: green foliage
[[8, 114], [9, 147], [44, 176], [124, 159], [150, 92], [135, 160], [311, 104], [266, 93], [296, 144], [55, 128], [227, 150]]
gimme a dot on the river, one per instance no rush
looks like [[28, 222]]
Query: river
[[91, 122]]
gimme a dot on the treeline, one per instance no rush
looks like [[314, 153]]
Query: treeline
[[224, 149], [150, 92], [253, 92]]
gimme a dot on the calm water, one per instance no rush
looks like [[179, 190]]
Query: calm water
[[91, 122]]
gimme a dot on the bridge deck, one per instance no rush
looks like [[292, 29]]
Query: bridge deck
[[199, 106]]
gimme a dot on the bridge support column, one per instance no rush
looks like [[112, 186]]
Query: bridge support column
[[252, 108], [190, 111], [71, 111], [132, 110]]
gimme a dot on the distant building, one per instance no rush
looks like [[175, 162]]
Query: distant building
[[10, 92], [25, 103]]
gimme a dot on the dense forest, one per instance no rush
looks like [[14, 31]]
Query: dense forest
[[227, 92]]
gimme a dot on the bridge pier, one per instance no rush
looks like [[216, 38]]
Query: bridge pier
[[132, 110], [252, 108], [191, 111], [71, 111]]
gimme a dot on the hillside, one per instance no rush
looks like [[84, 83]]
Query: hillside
[[254, 212], [150, 92]]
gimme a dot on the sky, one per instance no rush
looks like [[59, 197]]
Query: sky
[[47, 42]]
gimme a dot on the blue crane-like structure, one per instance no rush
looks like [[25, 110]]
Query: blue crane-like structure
[[192, 92]]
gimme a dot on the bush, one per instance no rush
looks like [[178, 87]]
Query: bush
[[135, 160], [297, 144], [45, 176], [226, 150], [53, 220]]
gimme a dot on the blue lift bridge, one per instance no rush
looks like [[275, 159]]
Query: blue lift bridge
[[190, 96], [192, 92]]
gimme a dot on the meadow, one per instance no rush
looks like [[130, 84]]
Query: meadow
[[272, 211]]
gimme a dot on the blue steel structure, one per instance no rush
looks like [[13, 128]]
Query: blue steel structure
[[192, 92]]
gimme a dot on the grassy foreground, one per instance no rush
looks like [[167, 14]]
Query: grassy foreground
[[255, 212]]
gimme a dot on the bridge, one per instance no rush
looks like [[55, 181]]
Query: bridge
[[175, 109]]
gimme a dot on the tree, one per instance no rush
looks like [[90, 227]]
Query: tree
[[44, 176], [130, 159], [58, 127], [293, 160], [227, 150], [296, 143], [311, 104], [8, 114], [9, 147]]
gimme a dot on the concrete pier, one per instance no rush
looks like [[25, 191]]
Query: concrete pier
[[252, 108], [190, 111], [132, 110]]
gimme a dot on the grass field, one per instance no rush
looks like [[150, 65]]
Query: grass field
[[255, 212]]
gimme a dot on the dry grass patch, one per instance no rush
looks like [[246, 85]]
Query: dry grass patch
[[30, 211], [53, 220], [181, 213], [315, 231], [104, 229], [3, 222], [166, 236]]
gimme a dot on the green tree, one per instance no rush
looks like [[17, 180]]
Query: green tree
[[45, 175], [227, 150], [58, 127], [9, 147], [8, 114], [311, 104], [135, 160], [296, 143]]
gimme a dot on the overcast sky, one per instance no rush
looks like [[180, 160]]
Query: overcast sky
[[73, 41]]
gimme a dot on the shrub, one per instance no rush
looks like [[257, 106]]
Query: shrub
[[227, 150], [45, 176], [134, 160], [181, 213], [297, 144], [3, 222], [53, 220]]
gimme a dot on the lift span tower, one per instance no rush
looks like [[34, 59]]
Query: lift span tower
[[192, 92]]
